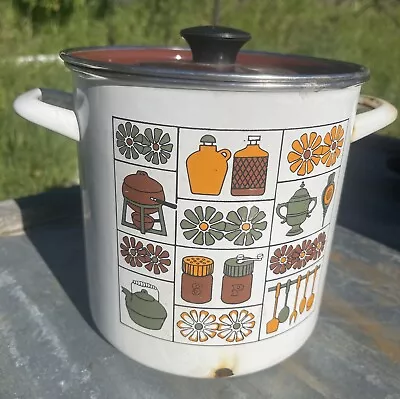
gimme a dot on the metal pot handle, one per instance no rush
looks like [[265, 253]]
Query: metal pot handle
[[145, 285], [381, 114], [278, 212], [52, 109]]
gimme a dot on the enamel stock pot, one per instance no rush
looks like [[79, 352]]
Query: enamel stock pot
[[278, 131]]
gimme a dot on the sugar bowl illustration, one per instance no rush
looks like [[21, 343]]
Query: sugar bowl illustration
[[298, 210]]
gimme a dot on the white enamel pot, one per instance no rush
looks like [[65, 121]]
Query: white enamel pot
[[250, 159]]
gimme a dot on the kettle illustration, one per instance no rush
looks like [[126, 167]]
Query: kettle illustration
[[207, 167], [143, 308]]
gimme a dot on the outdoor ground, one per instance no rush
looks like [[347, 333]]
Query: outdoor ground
[[34, 160]]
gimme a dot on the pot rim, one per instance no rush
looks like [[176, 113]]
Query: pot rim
[[344, 74]]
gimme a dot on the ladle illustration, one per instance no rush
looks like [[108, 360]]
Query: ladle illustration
[[284, 313], [273, 324], [312, 296], [304, 299], [293, 315]]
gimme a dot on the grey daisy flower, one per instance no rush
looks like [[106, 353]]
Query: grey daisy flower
[[157, 147], [203, 227], [245, 226], [129, 140]]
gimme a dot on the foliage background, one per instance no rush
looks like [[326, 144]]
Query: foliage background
[[33, 160]]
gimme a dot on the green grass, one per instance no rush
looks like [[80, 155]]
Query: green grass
[[33, 159]]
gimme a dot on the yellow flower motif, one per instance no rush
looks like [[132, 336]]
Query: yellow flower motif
[[306, 153], [235, 327], [197, 326], [334, 142]]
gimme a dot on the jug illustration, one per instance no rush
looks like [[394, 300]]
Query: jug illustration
[[250, 165], [207, 167], [298, 210]]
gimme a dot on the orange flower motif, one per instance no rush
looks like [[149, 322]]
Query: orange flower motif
[[306, 153], [334, 142]]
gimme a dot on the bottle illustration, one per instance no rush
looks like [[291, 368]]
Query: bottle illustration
[[207, 167], [238, 279], [197, 280], [250, 166]]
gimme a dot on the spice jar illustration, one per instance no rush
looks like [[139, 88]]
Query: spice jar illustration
[[249, 172], [238, 279], [207, 167], [197, 280]]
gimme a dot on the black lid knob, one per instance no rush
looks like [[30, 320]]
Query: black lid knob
[[215, 44]]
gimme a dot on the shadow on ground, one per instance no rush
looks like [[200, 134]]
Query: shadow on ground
[[370, 203], [370, 206]]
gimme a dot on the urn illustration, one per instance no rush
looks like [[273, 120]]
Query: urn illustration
[[297, 210]]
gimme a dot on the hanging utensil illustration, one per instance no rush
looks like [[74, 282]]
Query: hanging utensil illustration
[[327, 195], [273, 324], [297, 210], [304, 299], [293, 315], [312, 296], [143, 308], [284, 313]]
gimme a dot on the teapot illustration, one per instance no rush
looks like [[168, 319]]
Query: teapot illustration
[[298, 210], [143, 308], [207, 167]]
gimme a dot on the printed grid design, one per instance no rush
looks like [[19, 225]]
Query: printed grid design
[[291, 255]]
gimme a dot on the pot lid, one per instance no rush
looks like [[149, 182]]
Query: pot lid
[[214, 62], [140, 181]]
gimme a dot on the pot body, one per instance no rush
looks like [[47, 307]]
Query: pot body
[[198, 339]]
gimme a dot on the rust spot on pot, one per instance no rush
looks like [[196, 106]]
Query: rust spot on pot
[[224, 368], [223, 372]]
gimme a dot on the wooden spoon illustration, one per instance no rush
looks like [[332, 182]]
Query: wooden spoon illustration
[[293, 316], [312, 296], [304, 299], [284, 313], [273, 324]]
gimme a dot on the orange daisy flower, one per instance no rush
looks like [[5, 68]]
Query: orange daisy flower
[[306, 153], [334, 142]]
